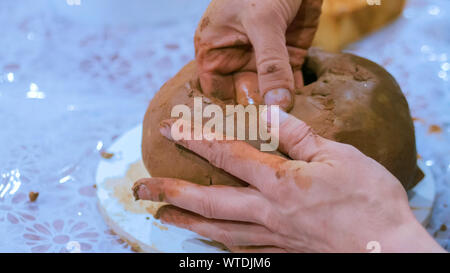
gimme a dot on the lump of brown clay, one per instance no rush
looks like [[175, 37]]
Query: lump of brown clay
[[347, 98]]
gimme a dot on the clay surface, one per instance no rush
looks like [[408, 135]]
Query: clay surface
[[346, 98]]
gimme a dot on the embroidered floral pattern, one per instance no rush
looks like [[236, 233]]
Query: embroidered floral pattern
[[58, 235]]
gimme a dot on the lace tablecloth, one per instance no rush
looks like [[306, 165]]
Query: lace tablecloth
[[76, 74]]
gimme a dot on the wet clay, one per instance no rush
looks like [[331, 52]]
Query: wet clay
[[346, 98]]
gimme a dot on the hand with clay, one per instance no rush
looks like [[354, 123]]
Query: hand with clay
[[252, 51], [329, 198]]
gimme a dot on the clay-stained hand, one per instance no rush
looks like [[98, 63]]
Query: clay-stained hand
[[329, 198], [254, 49]]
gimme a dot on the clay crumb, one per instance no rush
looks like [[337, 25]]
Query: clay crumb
[[280, 173], [94, 186], [361, 77], [161, 197], [161, 227], [135, 190], [33, 196], [110, 232], [135, 248], [272, 68], [434, 129], [443, 227], [361, 74], [106, 155], [205, 22]]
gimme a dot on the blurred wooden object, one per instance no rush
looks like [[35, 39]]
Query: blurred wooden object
[[346, 21]]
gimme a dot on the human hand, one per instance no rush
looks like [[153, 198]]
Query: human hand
[[253, 50], [329, 198]]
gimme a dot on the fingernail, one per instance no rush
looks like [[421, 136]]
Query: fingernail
[[165, 128], [140, 191], [280, 96]]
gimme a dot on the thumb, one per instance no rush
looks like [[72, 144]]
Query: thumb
[[275, 77]]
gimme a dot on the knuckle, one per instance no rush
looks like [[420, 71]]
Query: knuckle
[[275, 73], [257, 12], [274, 224], [350, 150], [273, 64], [271, 190], [270, 219], [207, 208], [285, 171], [217, 158], [300, 135], [296, 56], [225, 238], [266, 16], [347, 151]]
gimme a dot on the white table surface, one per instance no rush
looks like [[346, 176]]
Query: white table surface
[[74, 78]]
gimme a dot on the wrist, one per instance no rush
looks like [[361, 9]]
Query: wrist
[[410, 237]]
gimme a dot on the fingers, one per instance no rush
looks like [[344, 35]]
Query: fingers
[[300, 35], [218, 60], [231, 234], [298, 79], [266, 30], [298, 140], [219, 202], [235, 157], [297, 58], [301, 31], [217, 86]]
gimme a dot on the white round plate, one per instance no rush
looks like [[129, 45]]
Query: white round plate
[[133, 220]]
